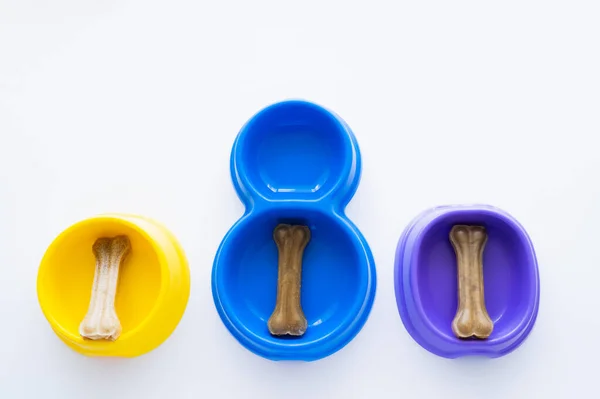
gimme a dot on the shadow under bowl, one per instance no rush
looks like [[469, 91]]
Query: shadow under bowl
[[337, 287], [427, 285], [152, 292]]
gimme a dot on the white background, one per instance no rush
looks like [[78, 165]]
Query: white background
[[132, 106]]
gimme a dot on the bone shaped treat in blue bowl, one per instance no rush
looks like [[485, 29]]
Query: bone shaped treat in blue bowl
[[294, 279]]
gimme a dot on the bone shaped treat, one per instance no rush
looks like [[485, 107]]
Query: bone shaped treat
[[101, 321], [288, 317], [471, 319]]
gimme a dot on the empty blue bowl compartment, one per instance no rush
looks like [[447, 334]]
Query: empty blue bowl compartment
[[293, 150]]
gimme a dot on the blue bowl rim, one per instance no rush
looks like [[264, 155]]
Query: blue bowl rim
[[404, 283]]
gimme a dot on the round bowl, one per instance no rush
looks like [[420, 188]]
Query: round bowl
[[295, 162], [337, 289], [426, 281], [152, 293], [297, 151]]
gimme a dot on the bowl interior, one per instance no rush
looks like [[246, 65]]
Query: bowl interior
[[333, 275], [293, 150], [68, 273], [506, 269]]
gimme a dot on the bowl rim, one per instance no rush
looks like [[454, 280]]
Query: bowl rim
[[343, 185], [407, 288], [45, 269]]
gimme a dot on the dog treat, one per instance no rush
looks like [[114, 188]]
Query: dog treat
[[472, 319], [288, 317], [101, 321]]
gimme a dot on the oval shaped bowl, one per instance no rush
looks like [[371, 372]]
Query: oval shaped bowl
[[153, 287], [426, 281], [295, 162]]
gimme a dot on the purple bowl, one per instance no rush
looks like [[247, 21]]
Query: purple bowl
[[426, 281]]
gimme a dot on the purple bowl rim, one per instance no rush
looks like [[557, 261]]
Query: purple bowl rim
[[417, 229]]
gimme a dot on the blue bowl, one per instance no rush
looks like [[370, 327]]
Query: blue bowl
[[295, 162]]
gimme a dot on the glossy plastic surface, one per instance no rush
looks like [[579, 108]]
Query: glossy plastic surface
[[426, 281], [295, 162], [152, 294]]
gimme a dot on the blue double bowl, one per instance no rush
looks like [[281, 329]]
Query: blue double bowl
[[299, 163]]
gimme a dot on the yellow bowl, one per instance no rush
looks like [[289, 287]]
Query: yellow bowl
[[153, 290]]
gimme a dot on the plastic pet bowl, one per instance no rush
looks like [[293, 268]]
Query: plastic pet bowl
[[295, 162], [426, 281], [152, 293]]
